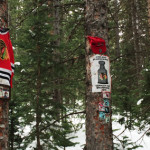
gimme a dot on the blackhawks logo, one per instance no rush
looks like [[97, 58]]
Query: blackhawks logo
[[3, 51]]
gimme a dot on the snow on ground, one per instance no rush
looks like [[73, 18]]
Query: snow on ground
[[133, 135]]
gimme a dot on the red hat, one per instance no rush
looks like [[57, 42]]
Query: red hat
[[98, 45]]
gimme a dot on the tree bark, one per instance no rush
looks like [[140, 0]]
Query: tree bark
[[11, 140], [98, 134], [136, 37], [149, 15], [38, 112], [57, 54], [4, 105], [38, 90], [117, 52]]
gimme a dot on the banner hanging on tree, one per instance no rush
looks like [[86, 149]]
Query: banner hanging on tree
[[100, 73]]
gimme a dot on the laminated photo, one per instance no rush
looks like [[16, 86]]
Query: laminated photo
[[100, 73]]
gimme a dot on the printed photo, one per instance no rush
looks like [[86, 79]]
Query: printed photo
[[107, 118], [101, 106], [106, 95], [1, 92], [107, 110], [4, 92], [101, 115], [106, 102]]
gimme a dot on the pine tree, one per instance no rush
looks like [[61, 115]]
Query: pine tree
[[36, 77], [40, 78], [98, 134], [127, 76]]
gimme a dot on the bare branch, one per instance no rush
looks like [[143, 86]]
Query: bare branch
[[74, 113], [143, 134]]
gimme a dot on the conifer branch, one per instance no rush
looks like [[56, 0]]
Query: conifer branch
[[29, 12], [122, 132], [40, 4], [128, 54], [77, 48], [74, 113], [73, 59], [70, 4], [74, 29]]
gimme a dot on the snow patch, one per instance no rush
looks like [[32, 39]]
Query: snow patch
[[139, 101], [17, 63]]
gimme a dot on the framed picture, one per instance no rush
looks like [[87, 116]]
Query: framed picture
[[5, 92], [101, 115]]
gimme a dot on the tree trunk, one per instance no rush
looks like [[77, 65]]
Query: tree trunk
[[11, 139], [4, 105], [117, 52], [98, 134], [38, 90], [57, 54], [135, 28], [149, 15], [38, 112]]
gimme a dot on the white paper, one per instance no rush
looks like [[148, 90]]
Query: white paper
[[95, 66]]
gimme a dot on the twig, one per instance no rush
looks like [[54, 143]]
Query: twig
[[29, 12], [74, 113], [126, 55], [118, 140], [70, 4], [143, 134], [122, 132]]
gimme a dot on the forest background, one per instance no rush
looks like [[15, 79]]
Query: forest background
[[49, 84]]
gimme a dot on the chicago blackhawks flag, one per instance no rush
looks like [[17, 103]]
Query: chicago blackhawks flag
[[6, 58]]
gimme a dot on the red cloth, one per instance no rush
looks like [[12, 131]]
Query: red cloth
[[98, 45], [6, 59]]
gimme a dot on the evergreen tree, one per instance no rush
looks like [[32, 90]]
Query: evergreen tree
[[98, 133], [49, 83], [36, 77]]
